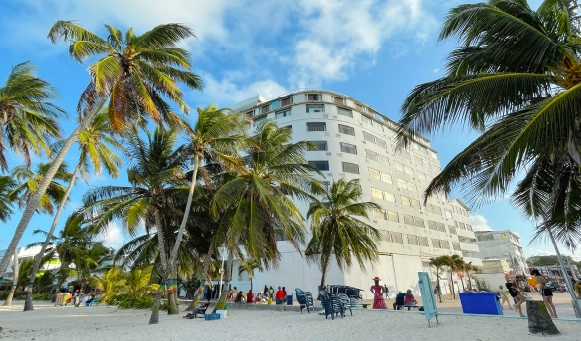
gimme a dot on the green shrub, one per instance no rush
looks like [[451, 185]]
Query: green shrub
[[131, 301], [21, 295]]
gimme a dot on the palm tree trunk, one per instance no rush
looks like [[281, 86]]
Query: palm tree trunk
[[8, 301], [28, 302], [32, 204], [172, 298], [324, 269], [174, 251], [251, 284], [438, 285], [154, 319], [452, 284], [227, 279], [61, 275], [206, 264]]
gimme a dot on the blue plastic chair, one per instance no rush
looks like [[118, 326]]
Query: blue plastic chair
[[332, 305], [305, 300]]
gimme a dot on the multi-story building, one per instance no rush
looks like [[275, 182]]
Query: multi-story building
[[354, 141], [25, 253], [502, 245]]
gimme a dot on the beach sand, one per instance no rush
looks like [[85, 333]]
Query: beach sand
[[109, 323]]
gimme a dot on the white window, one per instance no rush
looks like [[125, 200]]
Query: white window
[[386, 178], [320, 145], [250, 114], [423, 241], [383, 159], [371, 155], [339, 100], [348, 148], [343, 129], [286, 101], [456, 246], [385, 236], [412, 240], [345, 112], [448, 213], [316, 126], [408, 219], [315, 108], [392, 216], [265, 108], [396, 238], [376, 193], [283, 113], [389, 196], [398, 166], [379, 214], [419, 222], [405, 201], [368, 137], [380, 142], [313, 97], [452, 229], [350, 168], [444, 244], [412, 187], [402, 183], [374, 173], [259, 121], [320, 165]]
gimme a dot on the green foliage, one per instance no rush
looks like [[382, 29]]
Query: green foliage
[[29, 120], [131, 301], [550, 260], [336, 232], [516, 79]]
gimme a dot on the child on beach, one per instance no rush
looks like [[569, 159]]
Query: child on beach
[[503, 297]]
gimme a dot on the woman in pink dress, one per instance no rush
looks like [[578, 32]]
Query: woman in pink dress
[[378, 302]]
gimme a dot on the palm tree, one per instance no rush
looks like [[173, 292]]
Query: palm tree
[[453, 263], [28, 186], [459, 266], [215, 137], [248, 266], [137, 74], [337, 233], [28, 120], [256, 205], [516, 79], [157, 185], [15, 270], [469, 269], [438, 263], [94, 145], [7, 185]]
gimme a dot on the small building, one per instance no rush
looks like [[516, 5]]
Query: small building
[[25, 253], [502, 245]]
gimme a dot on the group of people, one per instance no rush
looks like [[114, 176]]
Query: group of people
[[77, 299], [519, 298], [267, 296]]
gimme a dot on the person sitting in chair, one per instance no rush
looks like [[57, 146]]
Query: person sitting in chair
[[399, 300], [280, 296], [201, 309], [409, 300]]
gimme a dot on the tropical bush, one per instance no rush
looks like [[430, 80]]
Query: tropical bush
[[43, 296]]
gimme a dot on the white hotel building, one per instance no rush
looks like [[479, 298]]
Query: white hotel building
[[356, 141]]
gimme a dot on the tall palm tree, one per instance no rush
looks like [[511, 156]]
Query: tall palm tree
[[248, 266], [459, 266], [439, 264], [216, 137], [336, 232], [7, 185], [28, 119], [515, 79], [96, 155], [469, 269], [257, 204], [137, 74], [453, 263], [28, 186], [15, 270], [157, 185]]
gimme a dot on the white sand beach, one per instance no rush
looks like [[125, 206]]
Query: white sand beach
[[49, 323]]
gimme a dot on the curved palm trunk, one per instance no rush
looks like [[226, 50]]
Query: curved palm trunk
[[324, 269], [174, 251], [32, 204], [154, 319], [227, 279], [197, 295], [8, 301], [38, 259]]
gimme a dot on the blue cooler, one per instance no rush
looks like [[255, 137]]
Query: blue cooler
[[211, 317], [485, 303], [289, 299]]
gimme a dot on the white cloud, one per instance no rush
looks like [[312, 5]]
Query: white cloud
[[309, 41], [226, 92], [479, 223], [436, 70], [112, 236]]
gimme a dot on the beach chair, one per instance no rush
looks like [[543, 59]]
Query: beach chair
[[95, 301], [305, 300], [332, 305], [347, 305]]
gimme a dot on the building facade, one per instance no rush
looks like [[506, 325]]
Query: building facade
[[502, 245], [355, 141], [25, 253]]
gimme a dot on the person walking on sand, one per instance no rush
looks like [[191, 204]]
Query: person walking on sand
[[503, 297], [516, 294], [386, 291], [545, 292]]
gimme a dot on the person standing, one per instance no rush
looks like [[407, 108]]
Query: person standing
[[378, 302], [265, 292], [545, 292], [386, 291], [503, 297]]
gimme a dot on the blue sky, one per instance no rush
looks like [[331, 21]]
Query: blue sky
[[374, 51]]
